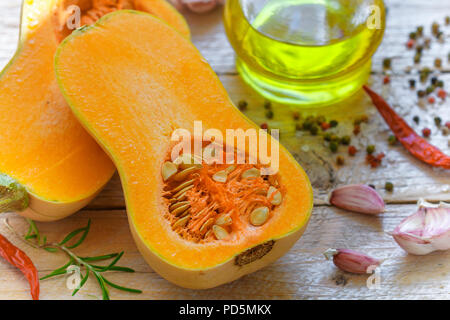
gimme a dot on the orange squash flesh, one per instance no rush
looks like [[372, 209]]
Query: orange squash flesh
[[150, 82], [43, 147]]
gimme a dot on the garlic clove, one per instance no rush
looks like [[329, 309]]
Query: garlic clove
[[178, 4], [425, 231], [200, 6], [352, 261], [358, 198]]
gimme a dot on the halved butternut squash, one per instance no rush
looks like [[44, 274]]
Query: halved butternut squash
[[44, 150], [133, 82]]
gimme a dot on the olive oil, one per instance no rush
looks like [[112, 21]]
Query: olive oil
[[305, 52]]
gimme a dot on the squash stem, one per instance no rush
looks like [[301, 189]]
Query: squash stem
[[13, 196]]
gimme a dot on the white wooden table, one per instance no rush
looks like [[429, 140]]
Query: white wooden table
[[302, 273]]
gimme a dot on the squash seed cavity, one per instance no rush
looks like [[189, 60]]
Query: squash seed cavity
[[213, 202]]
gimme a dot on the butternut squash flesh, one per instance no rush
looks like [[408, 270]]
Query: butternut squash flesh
[[43, 146], [150, 82]]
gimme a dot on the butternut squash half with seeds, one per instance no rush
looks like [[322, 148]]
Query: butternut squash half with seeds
[[50, 167], [133, 82]]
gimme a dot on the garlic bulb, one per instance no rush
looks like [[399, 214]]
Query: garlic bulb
[[425, 231]]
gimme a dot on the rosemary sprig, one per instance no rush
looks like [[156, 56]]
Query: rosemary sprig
[[73, 240]]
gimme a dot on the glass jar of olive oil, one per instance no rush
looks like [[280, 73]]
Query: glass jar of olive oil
[[305, 52]]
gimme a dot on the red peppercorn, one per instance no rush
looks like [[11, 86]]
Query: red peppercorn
[[325, 126], [431, 100], [356, 129], [264, 126], [447, 124], [442, 94], [386, 79], [426, 132], [352, 150], [374, 161], [410, 43]]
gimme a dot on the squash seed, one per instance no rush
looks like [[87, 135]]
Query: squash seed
[[219, 232], [220, 176], [178, 211], [259, 216], [177, 205], [207, 234], [206, 225], [181, 197], [230, 169], [187, 212], [181, 222], [182, 175], [168, 170], [224, 220], [183, 185], [182, 191], [277, 197], [187, 160], [273, 180], [251, 173]]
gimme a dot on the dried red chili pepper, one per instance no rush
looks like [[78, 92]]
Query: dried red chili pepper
[[19, 259], [414, 143]]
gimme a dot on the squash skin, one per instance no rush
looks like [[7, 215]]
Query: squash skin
[[45, 205], [215, 276], [218, 272]]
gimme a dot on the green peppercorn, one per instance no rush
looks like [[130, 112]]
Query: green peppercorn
[[440, 84], [392, 140], [267, 105], [334, 138], [427, 43], [314, 129], [413, 35], [419, 31], [333, 123], [416, 119], [242, 105], [320, 119], [419, 49], [389, 186], [269, 114], [438, 62], [306, 125], [370, 149], [417, 57], [387, 63], [333, 146], [437, 121], [435, 28], [327, 136], [345, 140], [429, 90]]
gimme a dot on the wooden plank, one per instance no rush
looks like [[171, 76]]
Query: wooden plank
[[301, 274]]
